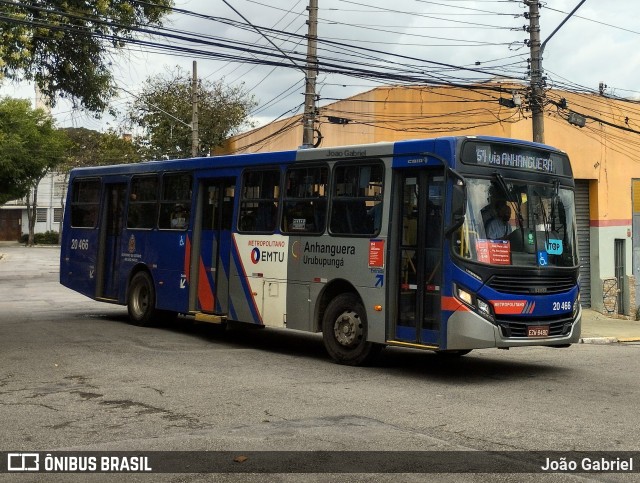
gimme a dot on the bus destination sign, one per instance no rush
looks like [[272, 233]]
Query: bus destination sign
[[510, 156]]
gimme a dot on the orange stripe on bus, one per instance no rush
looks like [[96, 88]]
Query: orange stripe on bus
[[452, 304], [205, 292], [187, 259]]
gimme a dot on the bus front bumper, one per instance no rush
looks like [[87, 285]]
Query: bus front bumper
[[468, 330]]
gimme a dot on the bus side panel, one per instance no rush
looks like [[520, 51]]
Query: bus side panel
[[170, 270], [258, 283], [163, 254], [78, 260], [317, 262]]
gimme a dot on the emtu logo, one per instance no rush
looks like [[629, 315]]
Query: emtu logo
[[23, 462], [255, 256]]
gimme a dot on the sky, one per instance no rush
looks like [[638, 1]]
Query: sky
[[599, 43]]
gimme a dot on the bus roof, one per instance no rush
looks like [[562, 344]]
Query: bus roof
[[386, 148]]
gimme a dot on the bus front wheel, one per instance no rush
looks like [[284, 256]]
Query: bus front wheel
[[141, 302], [344, 331]]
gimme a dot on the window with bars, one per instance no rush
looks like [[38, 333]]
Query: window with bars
[[41, 215]]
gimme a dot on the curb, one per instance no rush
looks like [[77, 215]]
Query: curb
[[607, 340], [599, 340]]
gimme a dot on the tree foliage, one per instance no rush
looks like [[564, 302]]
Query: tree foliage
[[164, 111], [30, 146], [65, 46], [93, 148]]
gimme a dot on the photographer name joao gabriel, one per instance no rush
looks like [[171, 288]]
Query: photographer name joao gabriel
[[588, 464]]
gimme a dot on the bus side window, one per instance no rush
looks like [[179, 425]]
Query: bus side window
[[143, 202], [175, 203], [305, 200], [356, 207], [85, 200], [259, 201]]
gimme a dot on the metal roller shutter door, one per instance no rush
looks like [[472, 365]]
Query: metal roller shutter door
[[584, 240]]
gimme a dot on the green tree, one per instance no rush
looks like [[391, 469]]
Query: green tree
[[164, 109], [66, 46], [94, 148], [30, 146]]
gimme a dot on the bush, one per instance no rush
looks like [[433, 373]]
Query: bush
[[46, 238]]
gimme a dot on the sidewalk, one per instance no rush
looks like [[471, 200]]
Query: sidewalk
[[600, 329]]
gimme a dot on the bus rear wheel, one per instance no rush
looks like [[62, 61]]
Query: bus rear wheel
[[344, 331], [141, 301]]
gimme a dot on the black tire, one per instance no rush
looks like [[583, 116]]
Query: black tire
[[344, 331], [141, 300], [454, 353]]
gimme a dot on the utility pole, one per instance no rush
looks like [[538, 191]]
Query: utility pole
[[309, 116], [194, 113], [537, 87], [537, 79]]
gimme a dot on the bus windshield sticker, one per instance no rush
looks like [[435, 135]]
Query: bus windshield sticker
[[553, 246], [543, 258], [497, 252]]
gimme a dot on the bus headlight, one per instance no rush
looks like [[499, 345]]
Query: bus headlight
[[484, 308], [465, 296], [476, 303]]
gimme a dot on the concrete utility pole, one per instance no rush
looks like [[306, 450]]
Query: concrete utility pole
[[537, 88], [537, 82], [309, 116], [194, 113]]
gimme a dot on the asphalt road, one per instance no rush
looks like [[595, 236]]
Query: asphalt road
[[76, 376]]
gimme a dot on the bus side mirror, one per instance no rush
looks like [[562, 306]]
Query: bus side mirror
[[458, 202]]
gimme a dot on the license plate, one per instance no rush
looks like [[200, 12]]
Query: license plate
[[538, 331]]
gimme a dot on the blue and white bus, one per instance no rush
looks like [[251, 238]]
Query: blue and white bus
[[372, 245]]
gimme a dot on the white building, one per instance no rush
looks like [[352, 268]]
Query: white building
[[51, 194]]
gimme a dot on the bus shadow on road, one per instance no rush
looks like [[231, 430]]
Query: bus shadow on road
[[479, 366]]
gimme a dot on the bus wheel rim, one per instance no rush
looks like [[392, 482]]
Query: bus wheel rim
[[348, 329], [141, 301]]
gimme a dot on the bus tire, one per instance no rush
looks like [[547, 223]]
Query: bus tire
[[344, 331], [141, 301]]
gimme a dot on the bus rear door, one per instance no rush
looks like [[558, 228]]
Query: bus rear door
[[420, 277], [111, 223]]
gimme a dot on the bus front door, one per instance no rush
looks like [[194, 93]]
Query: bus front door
[[213, 250], [111, 223], [418, 315]]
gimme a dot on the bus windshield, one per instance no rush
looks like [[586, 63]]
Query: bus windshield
[[518, 223]]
